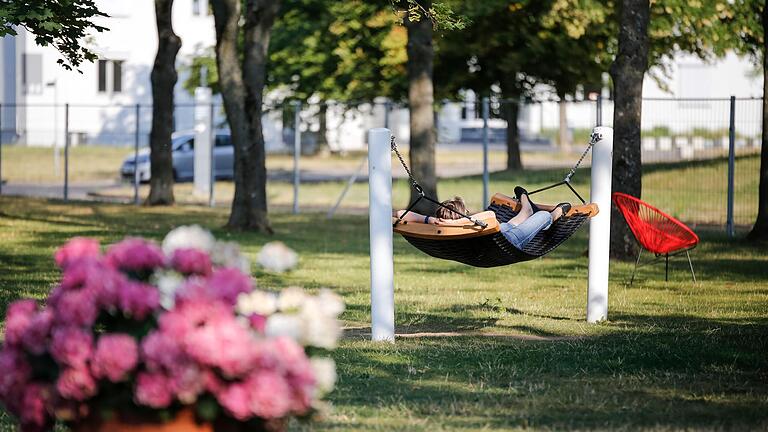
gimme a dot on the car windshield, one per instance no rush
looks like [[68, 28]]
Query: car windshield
[[177, 142]]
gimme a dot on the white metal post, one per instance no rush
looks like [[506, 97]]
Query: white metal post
[[296, 154], [380, 209], [600, 225], [486, 111], [203, 162]]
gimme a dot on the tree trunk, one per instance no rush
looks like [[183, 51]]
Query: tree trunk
[[627, 72], [241, 89], [760, 229], [163, 79], [249, 206], [322, 147], [511, 109], [420, 99], [563, 137]]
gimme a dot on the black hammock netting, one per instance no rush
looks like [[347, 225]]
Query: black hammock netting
[[493, 249], [489, 248]]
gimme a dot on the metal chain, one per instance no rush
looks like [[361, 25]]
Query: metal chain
[[595, 137], [414, 183]]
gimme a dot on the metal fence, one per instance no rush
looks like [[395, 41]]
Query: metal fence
[[700, 156]]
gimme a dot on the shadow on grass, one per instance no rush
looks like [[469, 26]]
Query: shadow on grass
[[670, 372]]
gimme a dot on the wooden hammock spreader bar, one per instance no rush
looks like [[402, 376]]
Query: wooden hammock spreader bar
[[585, 209], [439, 232]]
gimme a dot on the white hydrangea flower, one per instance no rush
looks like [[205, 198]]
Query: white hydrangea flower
[[320, 332], [257, 302], [324, 369], [188, 236], [330, 303], [281, 324], [227, 254], [277, 257], [291, 299], [167, 283]]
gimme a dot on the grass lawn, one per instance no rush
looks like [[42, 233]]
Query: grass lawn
[[515, 352]]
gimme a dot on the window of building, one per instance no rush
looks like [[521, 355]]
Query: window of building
[[110, 76], [102, 76], [117, 76], [32, 73]]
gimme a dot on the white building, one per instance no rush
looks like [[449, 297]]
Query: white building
[[102, 98]]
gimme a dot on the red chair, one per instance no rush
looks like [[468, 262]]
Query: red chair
[[656, 231]]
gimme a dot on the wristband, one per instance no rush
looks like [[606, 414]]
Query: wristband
[[426, 219]]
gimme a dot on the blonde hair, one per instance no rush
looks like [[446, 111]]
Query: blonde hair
[[456, 204]]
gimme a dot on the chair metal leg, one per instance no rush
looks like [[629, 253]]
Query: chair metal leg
[[666, 268], [636, 263], [691, 265]]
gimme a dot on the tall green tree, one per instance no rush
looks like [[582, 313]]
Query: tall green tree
[[561, 43], [352, 52], [163, 78], [242, 88], [628, 72], [63, 24], [748, 20]]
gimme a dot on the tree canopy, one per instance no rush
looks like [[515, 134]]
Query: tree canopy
[[62, 24]]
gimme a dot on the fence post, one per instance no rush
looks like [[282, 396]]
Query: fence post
[[380, 231], [387, 108], [211, 198], [486, 110], [66, 152], [600, 225], [599, 110], [296, 154], [731, 166], [136, 134], [1, 148]]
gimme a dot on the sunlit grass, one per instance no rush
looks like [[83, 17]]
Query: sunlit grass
[[673, 355]]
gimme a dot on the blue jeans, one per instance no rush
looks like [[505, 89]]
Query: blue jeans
[[520, 235]]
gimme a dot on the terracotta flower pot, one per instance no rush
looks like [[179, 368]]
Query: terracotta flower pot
[[183, 422]]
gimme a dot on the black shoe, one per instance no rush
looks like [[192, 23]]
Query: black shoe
[[519, 192], [566, 207]]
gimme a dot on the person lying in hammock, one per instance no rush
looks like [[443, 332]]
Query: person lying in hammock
[[519, 230]]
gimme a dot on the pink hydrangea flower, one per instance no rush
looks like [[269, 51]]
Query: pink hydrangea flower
[[153, 390], [18, 317], [189, 315], [16, 372], [194, 289], [76, 384], [72, 346], [236, 401], [34, 408], [228, 283], [116, 355], [35, 337], [190, 261], [159, 350], [76, 307], [137, 299], [224, 343], [270, 394], [135, 255], [258, 322], [75, 249], [187, 382]]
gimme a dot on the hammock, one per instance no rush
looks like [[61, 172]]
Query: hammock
[[479, 246], [480, 242]]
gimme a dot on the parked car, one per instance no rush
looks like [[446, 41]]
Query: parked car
[[183, 154]]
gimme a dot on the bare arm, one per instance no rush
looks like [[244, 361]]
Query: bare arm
[[414, 217]]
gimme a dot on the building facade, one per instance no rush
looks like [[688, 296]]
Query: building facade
[[102, 98]]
